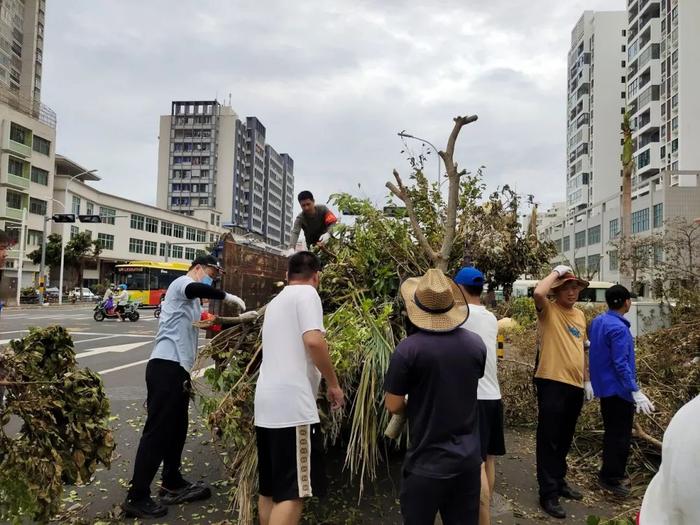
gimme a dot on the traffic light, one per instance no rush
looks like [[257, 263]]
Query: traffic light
[[63, 217], [89, 218]]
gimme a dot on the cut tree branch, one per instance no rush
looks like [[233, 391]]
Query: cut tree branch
[[453, 176], [402, 194], [640, 433]]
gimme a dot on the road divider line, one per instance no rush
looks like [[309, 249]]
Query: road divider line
[[122, 367]]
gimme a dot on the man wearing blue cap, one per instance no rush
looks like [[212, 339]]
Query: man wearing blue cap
[[484, 324]]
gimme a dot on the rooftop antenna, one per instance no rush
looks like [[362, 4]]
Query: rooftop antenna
[[229, 99]]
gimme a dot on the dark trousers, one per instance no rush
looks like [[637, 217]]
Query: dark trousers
[[559, 406], [456, 499], [618, 415], [163, 438]]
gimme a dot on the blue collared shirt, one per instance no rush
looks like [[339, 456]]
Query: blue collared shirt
[[611, 356]]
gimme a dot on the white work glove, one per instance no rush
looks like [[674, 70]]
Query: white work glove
[[249, 316], [234, 299], [289, 253], [643, 403], [588, 389], [325, 238], [563, 269]]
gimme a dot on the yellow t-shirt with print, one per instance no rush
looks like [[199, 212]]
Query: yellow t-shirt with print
[[561, 333]]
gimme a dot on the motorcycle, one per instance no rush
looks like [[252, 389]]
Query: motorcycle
[[156, 312], [131, 312]]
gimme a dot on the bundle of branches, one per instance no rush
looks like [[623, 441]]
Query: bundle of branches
[[62, 412], [668, 369]]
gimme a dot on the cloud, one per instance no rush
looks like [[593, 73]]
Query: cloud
[[333, 82]]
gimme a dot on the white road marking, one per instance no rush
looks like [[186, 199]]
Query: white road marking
[[122, 367], [111, 349], [96, 339]]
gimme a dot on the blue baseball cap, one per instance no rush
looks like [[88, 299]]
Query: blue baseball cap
[[469, 276]]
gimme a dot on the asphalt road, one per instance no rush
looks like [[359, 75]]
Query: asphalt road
[[118, 351]]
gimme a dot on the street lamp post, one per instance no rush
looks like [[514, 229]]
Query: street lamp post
[[405, 135], [63, 233]]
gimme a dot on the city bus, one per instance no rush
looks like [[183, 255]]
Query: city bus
[[146, 281]]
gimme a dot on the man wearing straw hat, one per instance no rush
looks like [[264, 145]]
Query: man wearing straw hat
[[561, 375], [432, 378]]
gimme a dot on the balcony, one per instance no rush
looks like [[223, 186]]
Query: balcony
[[11, 213], [16, 182]]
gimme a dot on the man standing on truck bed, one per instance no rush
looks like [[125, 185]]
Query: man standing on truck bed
[[315, 219]]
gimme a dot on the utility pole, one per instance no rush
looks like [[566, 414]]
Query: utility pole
[[20, 261], [42, 278], [167, 250]]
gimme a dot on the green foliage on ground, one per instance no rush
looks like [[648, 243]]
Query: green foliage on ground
[[64, 433]]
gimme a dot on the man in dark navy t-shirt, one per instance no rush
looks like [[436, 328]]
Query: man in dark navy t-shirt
[[432, 379]]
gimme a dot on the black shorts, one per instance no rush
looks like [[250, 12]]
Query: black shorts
[[493, 441], [291, 462]]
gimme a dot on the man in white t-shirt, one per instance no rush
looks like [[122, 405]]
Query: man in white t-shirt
[[484, 323], [287, 424], [672, 496]]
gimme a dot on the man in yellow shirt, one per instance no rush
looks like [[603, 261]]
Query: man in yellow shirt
[[561, 377]]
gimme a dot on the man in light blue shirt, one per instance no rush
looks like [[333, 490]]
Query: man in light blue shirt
[[614, 380], [168, 385]]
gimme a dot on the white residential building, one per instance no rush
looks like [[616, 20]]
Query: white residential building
[[595, 104], [129, 230], [26, 183]]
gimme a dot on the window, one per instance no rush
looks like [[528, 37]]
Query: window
[[19, 134], [151, 225], [166, 228], [75, 207], [189, 254], [613, 262], [136, 245], [580, 240], [162, 250], [580, 265], [658, 215], [90, 208], [201, 236], [106, 241], [557, 244], [15, 167], [177, 252], [567, 244], [137, 222], [190, 234], [41, 145], [593, 264], [614, 228], [204, 201], [14, 200], [34, 237], [74, 231], [178, 231], [658, 254], [37, 206], [640, 220], [149, 247], [593, 235], [107, 215], [40, 176]]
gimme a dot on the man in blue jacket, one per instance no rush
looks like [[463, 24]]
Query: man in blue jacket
[[614, 380]]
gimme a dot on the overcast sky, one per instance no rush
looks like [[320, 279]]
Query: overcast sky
[[332, 81]]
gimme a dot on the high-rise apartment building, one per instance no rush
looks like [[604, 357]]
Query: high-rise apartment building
[[209, 159], [21, 47], [595, 103], [663, 85]]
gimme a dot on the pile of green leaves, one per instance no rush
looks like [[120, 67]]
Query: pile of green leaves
[[63, 435]]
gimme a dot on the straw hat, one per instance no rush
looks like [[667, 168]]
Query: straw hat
[[434, 303], [568, 277]]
